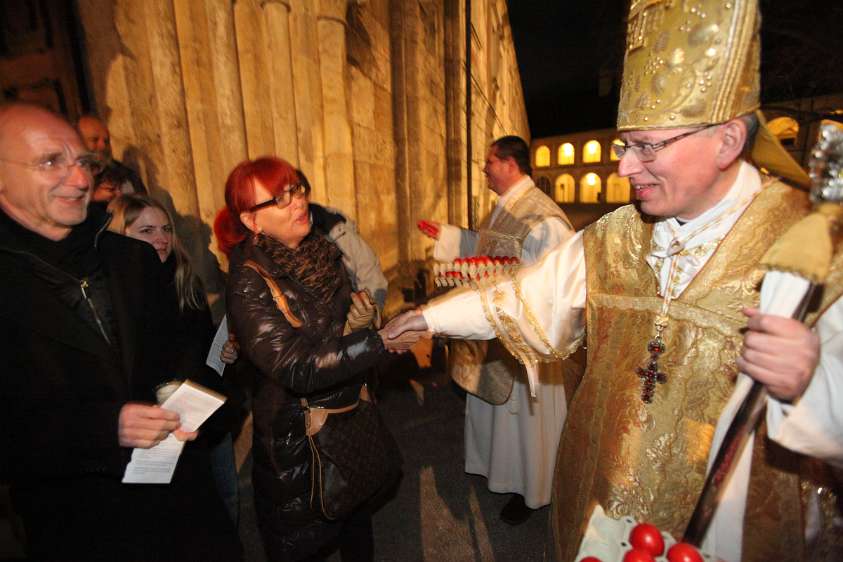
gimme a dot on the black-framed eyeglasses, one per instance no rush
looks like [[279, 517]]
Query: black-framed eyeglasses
[[284, 198], [646, 151]]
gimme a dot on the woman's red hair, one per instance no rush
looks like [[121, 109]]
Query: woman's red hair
[[273, 173]]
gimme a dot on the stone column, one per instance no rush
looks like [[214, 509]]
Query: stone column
[[339, 150], [213, 101], [426, 129], [108, 66], [152, 84], [455, 111], [307, 88], [401, 133], [371, 112], [134, 61], [266, 75]]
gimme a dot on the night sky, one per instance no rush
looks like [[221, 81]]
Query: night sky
[[570, 54]]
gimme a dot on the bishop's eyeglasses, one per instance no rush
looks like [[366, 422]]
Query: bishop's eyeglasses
[[646, 151]]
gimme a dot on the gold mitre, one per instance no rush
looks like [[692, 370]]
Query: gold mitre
[[691, 63]]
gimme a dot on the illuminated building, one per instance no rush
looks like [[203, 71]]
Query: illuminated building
[[579, 171]]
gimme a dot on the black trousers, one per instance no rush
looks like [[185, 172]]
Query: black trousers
[[315, 540]]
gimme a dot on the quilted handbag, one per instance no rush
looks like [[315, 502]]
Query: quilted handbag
[[353, 457]]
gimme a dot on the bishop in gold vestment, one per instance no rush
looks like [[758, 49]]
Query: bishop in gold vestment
[[667, 289]]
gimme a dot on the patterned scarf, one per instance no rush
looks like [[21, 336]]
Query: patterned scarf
[[315, 263]]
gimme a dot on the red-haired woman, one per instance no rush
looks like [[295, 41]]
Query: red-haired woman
[[314, 342]]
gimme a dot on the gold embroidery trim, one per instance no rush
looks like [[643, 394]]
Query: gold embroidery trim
[[511, 341], [516, 340], [537, 329]]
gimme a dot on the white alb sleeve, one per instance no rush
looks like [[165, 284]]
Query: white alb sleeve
[[544, 305]]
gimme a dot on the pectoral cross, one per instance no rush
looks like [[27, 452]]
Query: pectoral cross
[[650, 375]]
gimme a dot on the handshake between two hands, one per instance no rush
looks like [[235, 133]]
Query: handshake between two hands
[[402, 332], [399, 335]]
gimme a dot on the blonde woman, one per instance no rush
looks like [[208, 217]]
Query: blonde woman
[[144, 218]]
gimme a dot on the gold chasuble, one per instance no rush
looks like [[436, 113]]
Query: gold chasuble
[[485, 368], [648, 461]]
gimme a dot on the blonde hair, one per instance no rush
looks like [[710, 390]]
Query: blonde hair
[[125, 210]]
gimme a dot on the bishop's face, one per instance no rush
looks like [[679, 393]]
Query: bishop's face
[[682, 180]]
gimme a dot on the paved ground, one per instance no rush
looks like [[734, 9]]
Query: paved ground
[[439, 513]]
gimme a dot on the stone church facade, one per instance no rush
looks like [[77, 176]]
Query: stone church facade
[[367, 97]]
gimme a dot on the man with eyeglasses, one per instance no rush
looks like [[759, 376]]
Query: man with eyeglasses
[[83, 350], [667, 291]]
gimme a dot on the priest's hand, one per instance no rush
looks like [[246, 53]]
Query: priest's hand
[[781, 353], [429, 228], [404, 331], [399, 344], [410, 321]]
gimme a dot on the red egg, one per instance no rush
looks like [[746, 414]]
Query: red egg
[[647, 537], [590, 559], [683, 552], [638, 555]]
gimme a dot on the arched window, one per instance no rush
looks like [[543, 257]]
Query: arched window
[[590, 186], [591, 152], [542, 157], [565, 191], [565, 155], [612, 156], [617, 189], [786, 129]]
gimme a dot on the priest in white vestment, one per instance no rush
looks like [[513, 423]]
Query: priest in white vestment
[[511, 437], [668, 293]]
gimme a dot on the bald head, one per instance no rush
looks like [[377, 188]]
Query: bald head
[[16, 118], [45, 177], [14, 114], [96, 136]]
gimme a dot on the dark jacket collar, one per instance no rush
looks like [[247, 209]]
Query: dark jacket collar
[[31, 266], [73, 254]]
